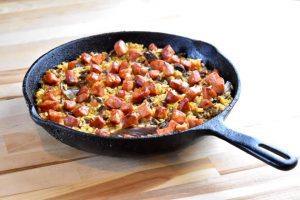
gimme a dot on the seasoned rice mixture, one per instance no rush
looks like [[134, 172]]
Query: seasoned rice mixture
[[132, 86]]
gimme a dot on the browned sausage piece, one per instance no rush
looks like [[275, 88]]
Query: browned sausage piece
[[194, 77], [97, 122], [172, 96], [49, 104], [130, 120], [128, 84], [85, 58], [54, 116], [178, 116], [184, 105], [116, 116], [69, 105], [145, 111], [80, 111], [71, 79], [194, 122], [113, 102], [71, 121], [120, 48], [112, 80], [50, 78], [161, 112], [97, 89], [167, 52]]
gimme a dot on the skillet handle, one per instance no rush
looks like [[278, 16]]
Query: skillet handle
[[261, 150]]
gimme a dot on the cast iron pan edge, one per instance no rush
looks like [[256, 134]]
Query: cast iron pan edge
[[118, 146]]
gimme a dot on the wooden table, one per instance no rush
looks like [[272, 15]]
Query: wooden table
[[260, 38]]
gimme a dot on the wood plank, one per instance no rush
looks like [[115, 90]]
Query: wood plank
[[12, 76], [10, 91], [263, 46], [128, 176]]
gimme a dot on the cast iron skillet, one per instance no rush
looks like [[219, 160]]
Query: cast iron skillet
[[97, 144]]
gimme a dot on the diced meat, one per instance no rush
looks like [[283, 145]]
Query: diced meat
[[72, 64], [112, 80], [97, 89], [194, 122], [157, 64], [71, 79], [173, 59], [92, 77], [186, 63], [86, 58], [133, 54], [193, 92], [140, 80], [130, 120], [127, 108], [94, 103], [49, 104], [52, 94], [102, 132], [205, 103], [184, 105], [139, 94], [113, 102], [123, 65], [181, 127], [125, 73], [50, 79], [216, 81], [120, 48], [178, 116], [96, 68], [121, 94], [167, 52], [143, 71], [82, 97], [154, 74], [208, 93], [161, 112], [137, 69], [97, 122], [128, 84], [144, 111], [71, 121], [168, 70], [172, 97], [98, 59], [194, 77], [171, 127], [152, 47], [69, 105], [83, 89], [80, 111], [179, 86], [113, 68], [54, 116], [151, 87], [116, 116]]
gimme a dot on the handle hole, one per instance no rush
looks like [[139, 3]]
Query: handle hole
[[274, 151]]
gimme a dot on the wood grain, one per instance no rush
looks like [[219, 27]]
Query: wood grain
[[260, 38]]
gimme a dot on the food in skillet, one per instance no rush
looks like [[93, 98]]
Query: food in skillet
[[132, 86]]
